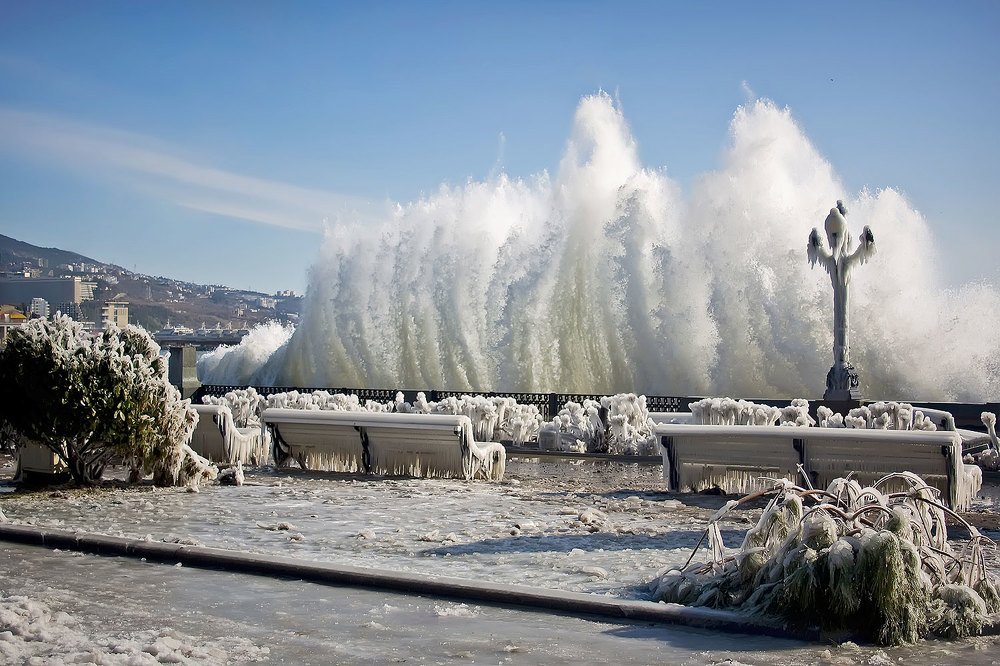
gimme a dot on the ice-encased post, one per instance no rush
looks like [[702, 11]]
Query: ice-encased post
[[839, 260], [182, 370]]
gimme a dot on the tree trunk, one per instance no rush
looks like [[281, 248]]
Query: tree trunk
[[86, 463], [85, 473]]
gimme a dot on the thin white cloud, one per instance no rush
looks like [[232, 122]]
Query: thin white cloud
[[150, 165]]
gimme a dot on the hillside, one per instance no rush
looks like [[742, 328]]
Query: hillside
[[153, 301], [13, 251]]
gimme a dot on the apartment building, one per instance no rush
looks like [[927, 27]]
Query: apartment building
[[114, 312]]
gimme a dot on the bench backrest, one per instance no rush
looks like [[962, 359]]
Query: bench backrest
[[208, 438], [734, 458], [217, 438], [935, 456], [384, 443], [740, 455]]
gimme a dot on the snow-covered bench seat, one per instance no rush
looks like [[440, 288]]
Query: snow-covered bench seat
[[738, 459], [217, 438], [384, 443]]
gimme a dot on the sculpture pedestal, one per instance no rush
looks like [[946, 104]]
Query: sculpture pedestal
[[842, 383]]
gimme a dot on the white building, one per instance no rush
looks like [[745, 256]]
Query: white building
[[39, 308]]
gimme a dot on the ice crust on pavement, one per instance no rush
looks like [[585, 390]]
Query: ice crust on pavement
[[548, 525], [600, 528]]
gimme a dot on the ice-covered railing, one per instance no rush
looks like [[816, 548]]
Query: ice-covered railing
[[577, 428], [726, 411], [324, 400]]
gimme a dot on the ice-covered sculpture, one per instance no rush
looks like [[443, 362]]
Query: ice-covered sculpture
[[839, 260]]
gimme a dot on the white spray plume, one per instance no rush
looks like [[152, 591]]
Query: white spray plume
[[607, 278]]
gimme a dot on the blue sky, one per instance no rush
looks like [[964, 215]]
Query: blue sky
[[208, 141]]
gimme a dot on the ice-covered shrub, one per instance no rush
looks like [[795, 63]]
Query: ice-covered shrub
[[796, 414], [583, 426], [878, 415], [483, 413], [89, 398], [488, 414], [245, 404], [726, 411], [630, 430], [522, 423], [849, 558], [990, 458], [886, 416], [324, 400]]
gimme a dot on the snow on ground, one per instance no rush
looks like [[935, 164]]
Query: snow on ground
[[603, 528], [125, 611], [59, 608]]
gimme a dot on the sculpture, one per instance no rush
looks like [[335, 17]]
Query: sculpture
[[839, 260]]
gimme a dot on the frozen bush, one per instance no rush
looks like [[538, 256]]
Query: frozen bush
[[245, 404], [875, 564], [582, 422], [522, 423], [89, 398], [630, 430]]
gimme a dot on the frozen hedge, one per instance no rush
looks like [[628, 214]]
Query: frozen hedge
[[91, 398], [847, 559]]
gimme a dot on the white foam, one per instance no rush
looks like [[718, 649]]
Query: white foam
[[605, 277]]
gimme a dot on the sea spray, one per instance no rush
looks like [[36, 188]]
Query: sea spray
[[237, 365], [605, 277]]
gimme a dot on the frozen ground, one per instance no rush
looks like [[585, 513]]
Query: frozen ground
[[604, 528], [600, 528]]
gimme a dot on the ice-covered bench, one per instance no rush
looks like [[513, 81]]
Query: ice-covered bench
[[972, 440], [935, 456], [734, 458], [738, 458], [383, 443], [217, 438]]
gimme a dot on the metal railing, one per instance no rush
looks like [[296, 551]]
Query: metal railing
[[967, 415]]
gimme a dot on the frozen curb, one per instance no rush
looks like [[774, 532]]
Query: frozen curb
[[575, 603]]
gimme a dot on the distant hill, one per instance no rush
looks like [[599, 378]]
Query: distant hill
[[153, 301], [14, 251]]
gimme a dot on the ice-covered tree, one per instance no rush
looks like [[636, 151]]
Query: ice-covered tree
[[90, 398]]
